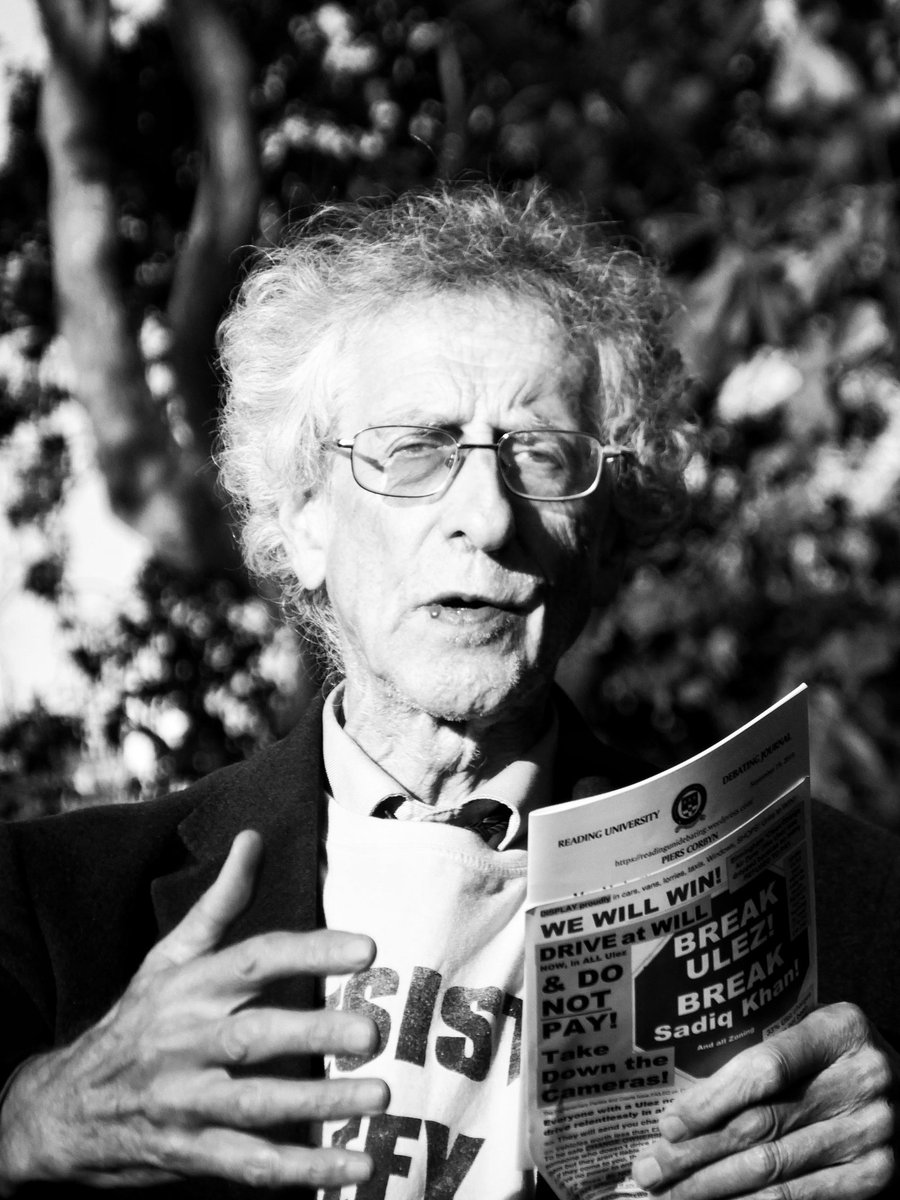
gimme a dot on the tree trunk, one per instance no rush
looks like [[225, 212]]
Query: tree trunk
[[164, 490]]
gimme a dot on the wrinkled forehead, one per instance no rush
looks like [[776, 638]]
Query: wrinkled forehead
[[488, 349]]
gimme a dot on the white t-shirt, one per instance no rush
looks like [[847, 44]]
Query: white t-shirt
[[445, 989]]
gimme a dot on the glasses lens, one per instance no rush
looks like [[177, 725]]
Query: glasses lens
[[550, 464], [403, 460]]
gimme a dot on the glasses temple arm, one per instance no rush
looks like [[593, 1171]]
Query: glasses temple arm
[[617, 452]]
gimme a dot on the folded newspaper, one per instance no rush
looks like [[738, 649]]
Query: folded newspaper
[[670, 924]]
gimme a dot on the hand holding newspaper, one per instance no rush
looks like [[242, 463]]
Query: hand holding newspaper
[[670, 925]]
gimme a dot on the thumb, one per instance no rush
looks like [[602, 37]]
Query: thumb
[[204, 925]]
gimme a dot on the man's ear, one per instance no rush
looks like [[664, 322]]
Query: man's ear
[[304, 525]]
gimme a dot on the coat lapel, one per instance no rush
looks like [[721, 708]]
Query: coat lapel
[[277, 792]]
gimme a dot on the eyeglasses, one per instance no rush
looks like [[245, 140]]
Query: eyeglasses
[[415, 461]]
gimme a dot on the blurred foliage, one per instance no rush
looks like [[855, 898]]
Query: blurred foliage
[[753, 147]]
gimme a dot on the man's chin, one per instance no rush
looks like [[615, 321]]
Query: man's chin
[[464, 697]]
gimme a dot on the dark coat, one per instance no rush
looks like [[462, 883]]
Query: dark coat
[[84, 896]]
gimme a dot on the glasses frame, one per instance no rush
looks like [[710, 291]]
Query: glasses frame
[[348, 445]]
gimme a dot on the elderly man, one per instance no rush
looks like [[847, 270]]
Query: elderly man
[[444, 420]]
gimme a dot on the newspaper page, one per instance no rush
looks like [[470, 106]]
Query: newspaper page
[[670, 925]]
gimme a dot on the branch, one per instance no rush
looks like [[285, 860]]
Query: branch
[[453, 88], [160, 489], [78, 34], [224, 216]]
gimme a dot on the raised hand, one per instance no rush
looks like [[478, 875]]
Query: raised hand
[[146, 1095], [806, 1115]]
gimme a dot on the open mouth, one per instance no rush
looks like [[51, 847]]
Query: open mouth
[[464, 602], [471, 606]]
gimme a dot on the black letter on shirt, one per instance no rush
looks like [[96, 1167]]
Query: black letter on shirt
[[444, 1173], [412, 1041], [512, 1007], [456, 1011], [384, 1130], [377, 981]]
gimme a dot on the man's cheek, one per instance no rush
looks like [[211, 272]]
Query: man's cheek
[[562, 535]]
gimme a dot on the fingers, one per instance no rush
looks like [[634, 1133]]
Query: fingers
[[110, 1107], [256, 1035], [239, 972], [863, 1179], [237, 1156], [749, 1155], [247, 1159], [204, 925], [212, 1099], [806, 1104], [763, 1071]]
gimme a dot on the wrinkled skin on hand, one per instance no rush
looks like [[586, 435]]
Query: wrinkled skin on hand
[[807, 1115], [146, 1096]]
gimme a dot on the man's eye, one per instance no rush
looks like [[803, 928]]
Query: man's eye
[[539, 454], [415, 447]]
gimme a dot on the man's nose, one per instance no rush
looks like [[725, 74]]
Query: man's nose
[[477, 503]]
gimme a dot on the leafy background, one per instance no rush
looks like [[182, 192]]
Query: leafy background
[[752, 146]]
